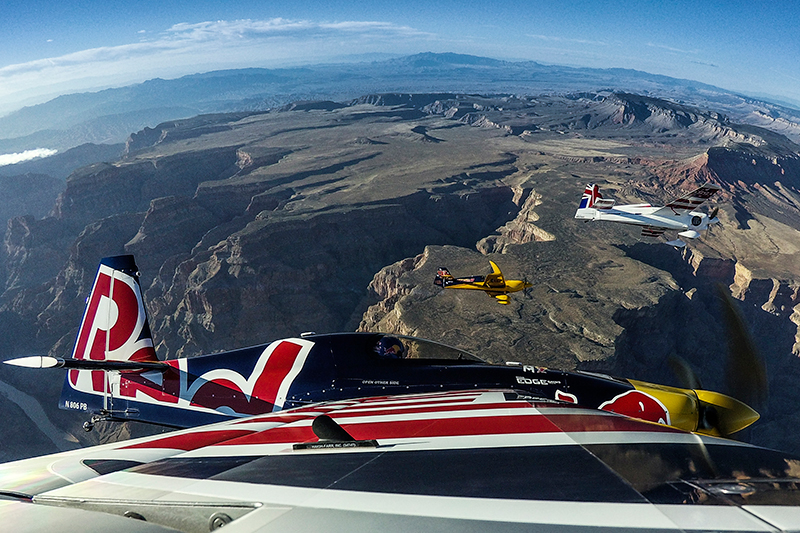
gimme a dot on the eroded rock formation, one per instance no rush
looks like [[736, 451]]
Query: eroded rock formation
[[251, 227]]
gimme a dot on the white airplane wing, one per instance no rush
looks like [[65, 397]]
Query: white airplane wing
[[689, 202], [477, 460]]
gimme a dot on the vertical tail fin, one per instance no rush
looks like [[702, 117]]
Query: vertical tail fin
[[443, 277], [114, 325], [590, 195]]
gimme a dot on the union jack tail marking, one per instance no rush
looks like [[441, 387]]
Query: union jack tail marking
[[590, 195]]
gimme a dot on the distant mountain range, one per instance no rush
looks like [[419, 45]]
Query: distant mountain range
[[109, 116]]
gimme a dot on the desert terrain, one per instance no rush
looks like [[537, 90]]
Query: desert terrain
[[334, 216]]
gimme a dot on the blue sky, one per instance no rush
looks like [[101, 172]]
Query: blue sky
[[54, 47]]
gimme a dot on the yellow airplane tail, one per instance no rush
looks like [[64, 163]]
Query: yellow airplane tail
[[443, 277]]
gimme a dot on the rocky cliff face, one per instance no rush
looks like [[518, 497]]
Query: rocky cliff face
[[251, 227]]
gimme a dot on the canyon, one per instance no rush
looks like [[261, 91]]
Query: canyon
[[334, 216]]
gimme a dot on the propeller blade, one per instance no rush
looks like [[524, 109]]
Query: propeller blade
[[746, 375], [683, 372], [713, 214]]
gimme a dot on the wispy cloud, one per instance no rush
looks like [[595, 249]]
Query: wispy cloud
[[692, 54], [186, 48], [280, 27], [704, 63], [672, 48], [27, 155], [554, 39]]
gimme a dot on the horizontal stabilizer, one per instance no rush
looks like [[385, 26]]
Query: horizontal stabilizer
[[604, 203], [689, 234], [677, 243], [44, 361]]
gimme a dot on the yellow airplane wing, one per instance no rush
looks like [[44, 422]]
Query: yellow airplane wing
[[495, 280]]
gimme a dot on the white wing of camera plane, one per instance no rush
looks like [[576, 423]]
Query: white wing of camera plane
[[678, 215], [477, 460]]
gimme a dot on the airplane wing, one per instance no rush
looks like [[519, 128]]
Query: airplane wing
[[689, 202], [495, 279], [474, 460]]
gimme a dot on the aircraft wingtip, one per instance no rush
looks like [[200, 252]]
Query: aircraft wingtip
[[34, 361]]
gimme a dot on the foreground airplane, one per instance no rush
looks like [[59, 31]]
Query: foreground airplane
[[114, 373], [678, 215], [333, 432], [474, 460], [493, 284]]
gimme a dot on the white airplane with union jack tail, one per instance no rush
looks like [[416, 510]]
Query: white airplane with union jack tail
[[678, 215]]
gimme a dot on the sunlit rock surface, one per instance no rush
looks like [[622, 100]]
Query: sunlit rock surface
[[327, 217]]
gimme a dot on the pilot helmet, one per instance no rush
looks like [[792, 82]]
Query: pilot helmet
[[390, 347]]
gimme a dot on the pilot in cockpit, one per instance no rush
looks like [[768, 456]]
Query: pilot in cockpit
[[390, 348]]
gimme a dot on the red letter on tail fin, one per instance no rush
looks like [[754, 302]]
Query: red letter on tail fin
[[114, 325]]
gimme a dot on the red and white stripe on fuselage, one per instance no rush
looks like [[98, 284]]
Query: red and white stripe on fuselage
[[273, 375], [219, 390], [480, 418]]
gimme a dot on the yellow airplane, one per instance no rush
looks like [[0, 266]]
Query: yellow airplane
[[494, 284]]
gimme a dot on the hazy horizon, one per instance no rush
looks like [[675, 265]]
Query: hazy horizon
[[48, 48]]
